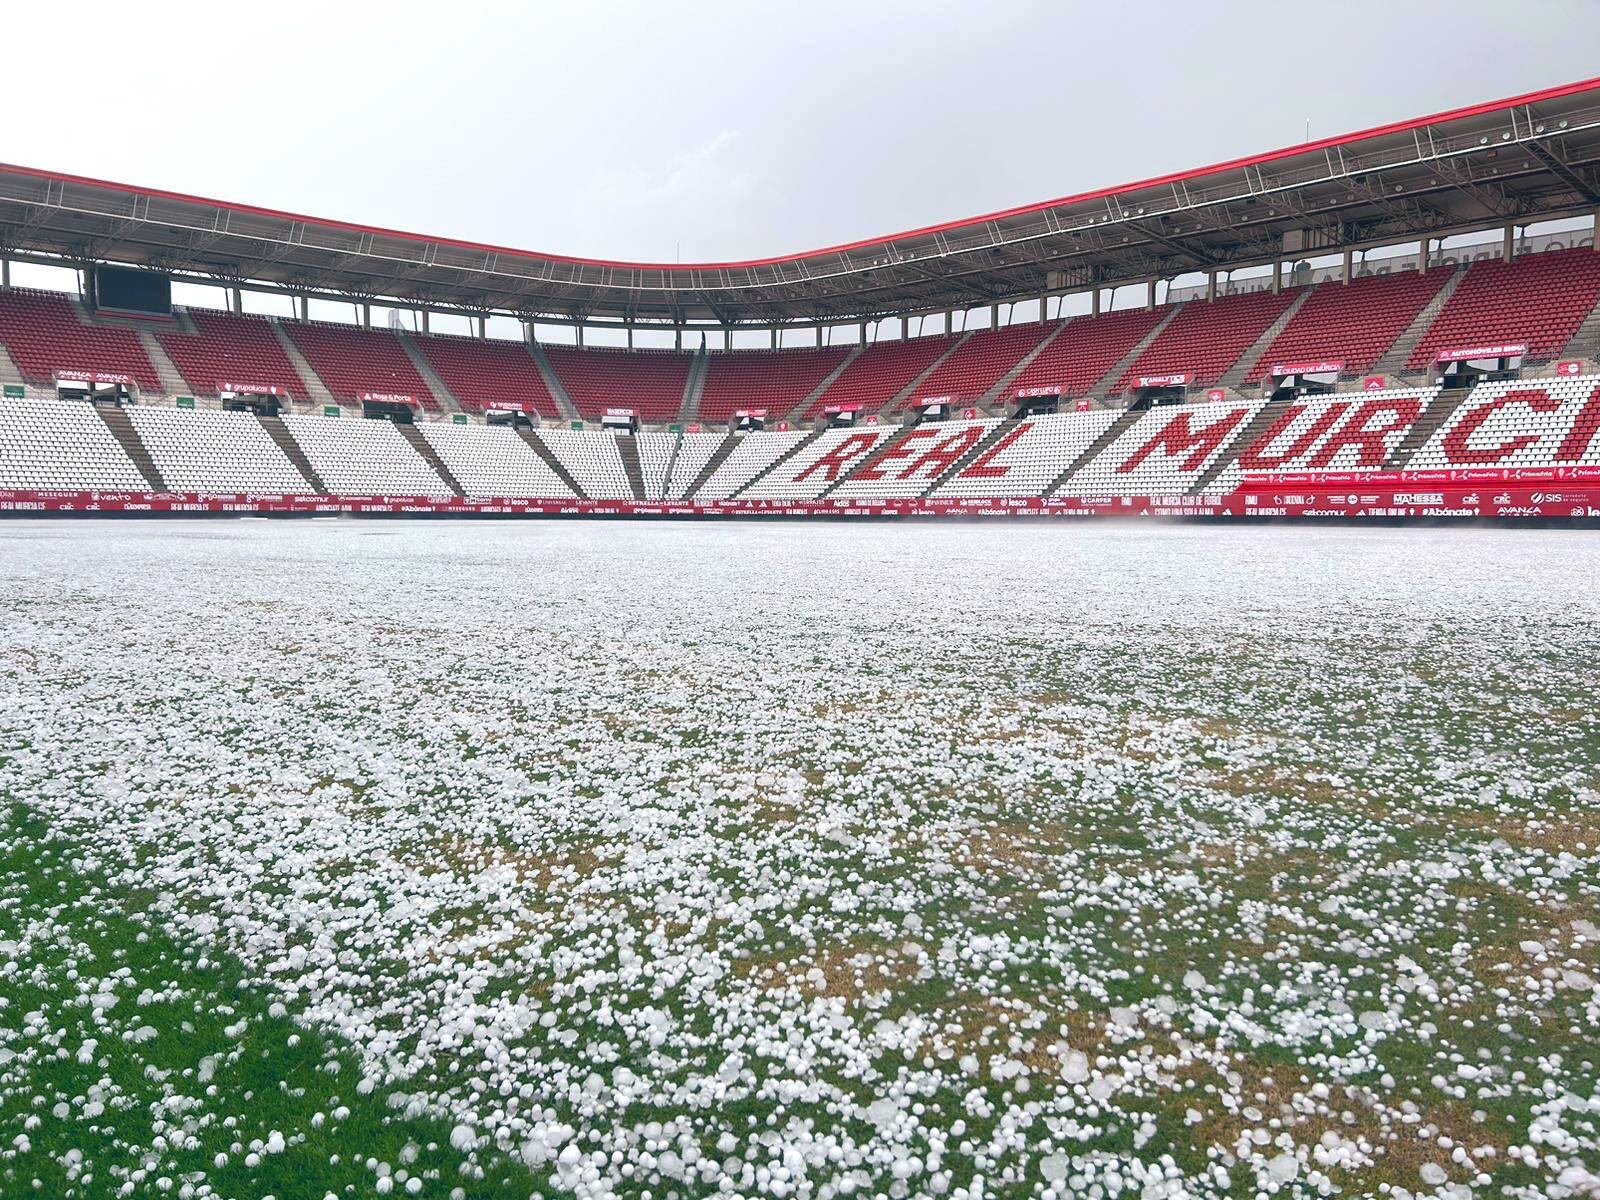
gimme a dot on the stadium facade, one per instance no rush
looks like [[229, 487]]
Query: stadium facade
[[1396, 379]]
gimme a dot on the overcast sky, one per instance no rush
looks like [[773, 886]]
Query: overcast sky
[[728, 130]]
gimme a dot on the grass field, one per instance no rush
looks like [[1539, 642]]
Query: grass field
[[664, 862]]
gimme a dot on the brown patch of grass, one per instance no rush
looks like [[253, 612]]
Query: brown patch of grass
[[849, 971], [1552, 833], [563, 866], [1285, 782], [984, 1027], [1399, 1147]]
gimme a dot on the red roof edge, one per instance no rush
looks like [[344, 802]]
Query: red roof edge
[[1551, 93]]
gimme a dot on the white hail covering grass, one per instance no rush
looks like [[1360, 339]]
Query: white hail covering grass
[[813, 861]]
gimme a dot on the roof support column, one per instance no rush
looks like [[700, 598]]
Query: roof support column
[[579, 328], [423, 316], [1044, 308], [5, 272], [727, 337], [774, 337], [236, 301], [483, 326], [819, 337], [863, 333], [366, 314], [1149, 295], [1349, 262], [1277, 276], [303, 304], [527, 331], [905, 328], [994, 316], [1594, 234], [1424, 254], [1211, 285], [677, 337], [1094, 303], [1508, 242]]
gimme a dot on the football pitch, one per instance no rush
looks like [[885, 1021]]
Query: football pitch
[[659, 861]]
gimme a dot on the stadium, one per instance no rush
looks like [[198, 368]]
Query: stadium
[[777, 812], [1434, 384]]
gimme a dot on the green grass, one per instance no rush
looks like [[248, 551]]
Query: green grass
[[160, 1119]]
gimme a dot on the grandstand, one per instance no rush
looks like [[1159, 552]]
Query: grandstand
[[1283, 362]]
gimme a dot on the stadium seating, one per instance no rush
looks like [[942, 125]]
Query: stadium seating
[[910, 466], [1164, 452], [44, 334], [1209, 336], [979, 362], [1086, 349], [1540, 299], [1349, 431], [364, 458], [479, 371], [352, 360], [1357, 322], [50, 444], [697, 450], [229, 348], [776, 380], [1511, 423], [754, 454], [658, 451], [881, 372], [810, 472], [1031, 455], [491, 461], [650, 382], [207, 450], [592, 459]]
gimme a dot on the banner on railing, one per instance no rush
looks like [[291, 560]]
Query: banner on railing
[[1170, 379], [1322, 366], [388, 398], [1391, 495], [1032, 393], [68, 376], [1493, 350], [252, 389]]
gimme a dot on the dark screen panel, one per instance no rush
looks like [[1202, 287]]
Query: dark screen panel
[[133, 291]]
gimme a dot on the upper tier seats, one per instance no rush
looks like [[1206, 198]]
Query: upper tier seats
[[1207, 337], [776, 380], [978, 363], [227, 348], [481, 371], [46, 337], [354, 361], [650, 382], [1540, 299], [1355, 322], [881, 372], [1086, 349]]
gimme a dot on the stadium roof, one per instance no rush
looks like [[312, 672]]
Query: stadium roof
[[1529, 157]]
